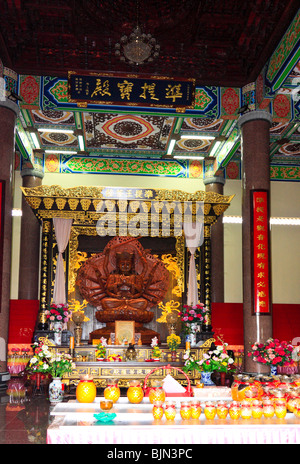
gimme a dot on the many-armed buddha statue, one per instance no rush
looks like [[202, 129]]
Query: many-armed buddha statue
[[123, 282]]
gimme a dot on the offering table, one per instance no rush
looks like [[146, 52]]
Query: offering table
[[74, 423], [124, 371]]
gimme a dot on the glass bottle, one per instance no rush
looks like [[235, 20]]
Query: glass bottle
[[246, 412], [257, 409], [157, 393], [86, 390], [210, 410], [185, 410], [112, 390], [234, 410], [158, 410], [195, 409], [135, 393], [170, 410], [268, 408], [222, 410]]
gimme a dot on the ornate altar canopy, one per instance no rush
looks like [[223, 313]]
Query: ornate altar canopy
[[104, 212]]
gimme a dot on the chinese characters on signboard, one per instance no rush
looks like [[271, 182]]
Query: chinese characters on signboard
[[261, 252], [131, 90]]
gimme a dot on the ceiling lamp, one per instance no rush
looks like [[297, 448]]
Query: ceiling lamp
[[137, 49]]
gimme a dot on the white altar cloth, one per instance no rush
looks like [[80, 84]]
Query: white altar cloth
[[74, 423]]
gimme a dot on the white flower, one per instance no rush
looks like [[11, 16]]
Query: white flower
[[230, 361], [34, 360]]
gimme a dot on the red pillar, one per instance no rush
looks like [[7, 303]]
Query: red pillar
[[8, 113], [255, 131]]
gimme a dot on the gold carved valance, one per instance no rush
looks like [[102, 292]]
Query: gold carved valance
[[86, 205]]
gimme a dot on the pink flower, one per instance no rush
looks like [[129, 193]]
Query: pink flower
[[59, 318]]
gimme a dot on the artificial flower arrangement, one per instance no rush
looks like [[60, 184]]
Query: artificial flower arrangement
[[101, 349], [192, 315], [272, 352], [217, 359], [45, 361], [58, 313], [173, 342], [156, 351], [60, 364], [40, 362]]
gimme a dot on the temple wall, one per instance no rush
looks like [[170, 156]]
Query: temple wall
[[285, 202]]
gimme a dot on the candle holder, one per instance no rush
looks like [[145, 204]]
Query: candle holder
[[78, 318]]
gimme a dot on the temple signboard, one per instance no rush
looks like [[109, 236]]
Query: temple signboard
[[130, 90]]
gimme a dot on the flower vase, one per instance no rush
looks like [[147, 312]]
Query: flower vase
[[222, 378], [57, 328], [56, 392], [273, 370], [194, 329], [206, 378], [173, 355]]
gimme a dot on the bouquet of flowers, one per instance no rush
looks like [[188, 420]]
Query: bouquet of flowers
[[217, 360], [192, 315], [272, 352], [60, 364], [58, 313], [101, 349], [43, 360], [40, 362], [173, 341], [190, 362]]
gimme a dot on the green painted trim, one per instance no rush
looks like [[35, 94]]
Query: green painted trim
[[285, 73]]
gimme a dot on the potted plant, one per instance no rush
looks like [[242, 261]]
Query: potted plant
[[272, 353], [156, 351], [39, 365], [215, 360], [101, 350], [173, 341], [59, 365]]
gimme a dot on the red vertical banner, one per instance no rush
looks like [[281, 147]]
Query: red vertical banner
[[261, 251]]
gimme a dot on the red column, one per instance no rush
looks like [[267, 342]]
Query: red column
[[8, 113], [255, 131]]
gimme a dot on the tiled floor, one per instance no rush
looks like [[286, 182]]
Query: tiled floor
[[25, 416]]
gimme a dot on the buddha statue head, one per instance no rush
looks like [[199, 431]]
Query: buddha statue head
[[125, 262]]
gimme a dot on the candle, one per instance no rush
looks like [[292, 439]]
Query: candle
[[71, 343]]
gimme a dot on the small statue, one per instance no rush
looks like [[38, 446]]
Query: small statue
[[130, 353]]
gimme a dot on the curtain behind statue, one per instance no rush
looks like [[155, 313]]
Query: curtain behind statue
[[193, 238], [62, 229]]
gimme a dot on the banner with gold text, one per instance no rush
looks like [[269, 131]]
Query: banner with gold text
[[261, 258]]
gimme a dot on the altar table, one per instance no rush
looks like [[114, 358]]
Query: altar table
[[74, 423]]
